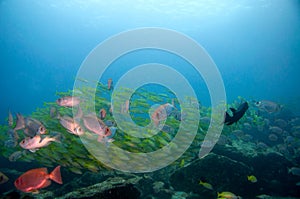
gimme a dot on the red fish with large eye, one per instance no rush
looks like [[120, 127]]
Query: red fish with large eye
[[68, 101], [35, 179]]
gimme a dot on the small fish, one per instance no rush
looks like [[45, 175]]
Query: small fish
[[252, 178], [228, 195], [182, 162], [33, 127], [281, 123], [206, 185], [10, 119], [126, 106], [35, 179], [20, 122], [237, 114], [161, 113], [3, 178], [71, 125], [68, 101], [37, 142], [13, 138], [109, 123], [272, 137], [109, 84], [275, 129], [97, 126], [102, 113], [264, 196], [16, 155], [53, 112], [268, 106], [294, 171]]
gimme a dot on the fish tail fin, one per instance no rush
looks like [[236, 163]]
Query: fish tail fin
[[57, 138], [55, 175]]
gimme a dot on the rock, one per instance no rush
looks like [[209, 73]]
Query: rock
[[112, 188], [221, 172]]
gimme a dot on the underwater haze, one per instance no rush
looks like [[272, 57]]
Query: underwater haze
[[255, 46]]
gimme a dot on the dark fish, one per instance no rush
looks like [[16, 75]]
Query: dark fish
[[237, 114], [3, 178], [13, 138], [53, 112], [33, 127], [20, 122]]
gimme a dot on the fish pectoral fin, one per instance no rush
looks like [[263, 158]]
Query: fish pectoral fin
[[33, 150], [233, 110], [35, 191]]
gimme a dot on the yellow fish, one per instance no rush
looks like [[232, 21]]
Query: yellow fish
[[252, 178], [227, 195], [206, 185]]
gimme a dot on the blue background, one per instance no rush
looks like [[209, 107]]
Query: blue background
[[255, 44]]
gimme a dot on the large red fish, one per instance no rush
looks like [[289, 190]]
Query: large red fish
[[35, 179]]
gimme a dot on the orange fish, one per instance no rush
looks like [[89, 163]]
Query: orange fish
[[35, 179], [109, 83]]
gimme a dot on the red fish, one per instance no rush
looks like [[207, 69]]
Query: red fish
[[68, 101], [35, 179], [161, 113]]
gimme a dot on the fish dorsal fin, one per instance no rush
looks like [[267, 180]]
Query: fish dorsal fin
[[233, 110], [45, 170]]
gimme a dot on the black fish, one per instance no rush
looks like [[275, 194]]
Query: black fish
[[237, 114]]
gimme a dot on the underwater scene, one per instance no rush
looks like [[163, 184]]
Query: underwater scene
[[150, 99]]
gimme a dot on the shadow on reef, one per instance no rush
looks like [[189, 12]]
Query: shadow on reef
[[228, 171]]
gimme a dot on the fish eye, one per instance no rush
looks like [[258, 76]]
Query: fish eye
[[23, 141]]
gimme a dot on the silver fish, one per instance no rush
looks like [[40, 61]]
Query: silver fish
[[37, 142], [268, 106], [68, 101], [97, 126], [294, 171], [71, 125]]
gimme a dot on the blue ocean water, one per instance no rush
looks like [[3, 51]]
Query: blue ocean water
[[254, 44]]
